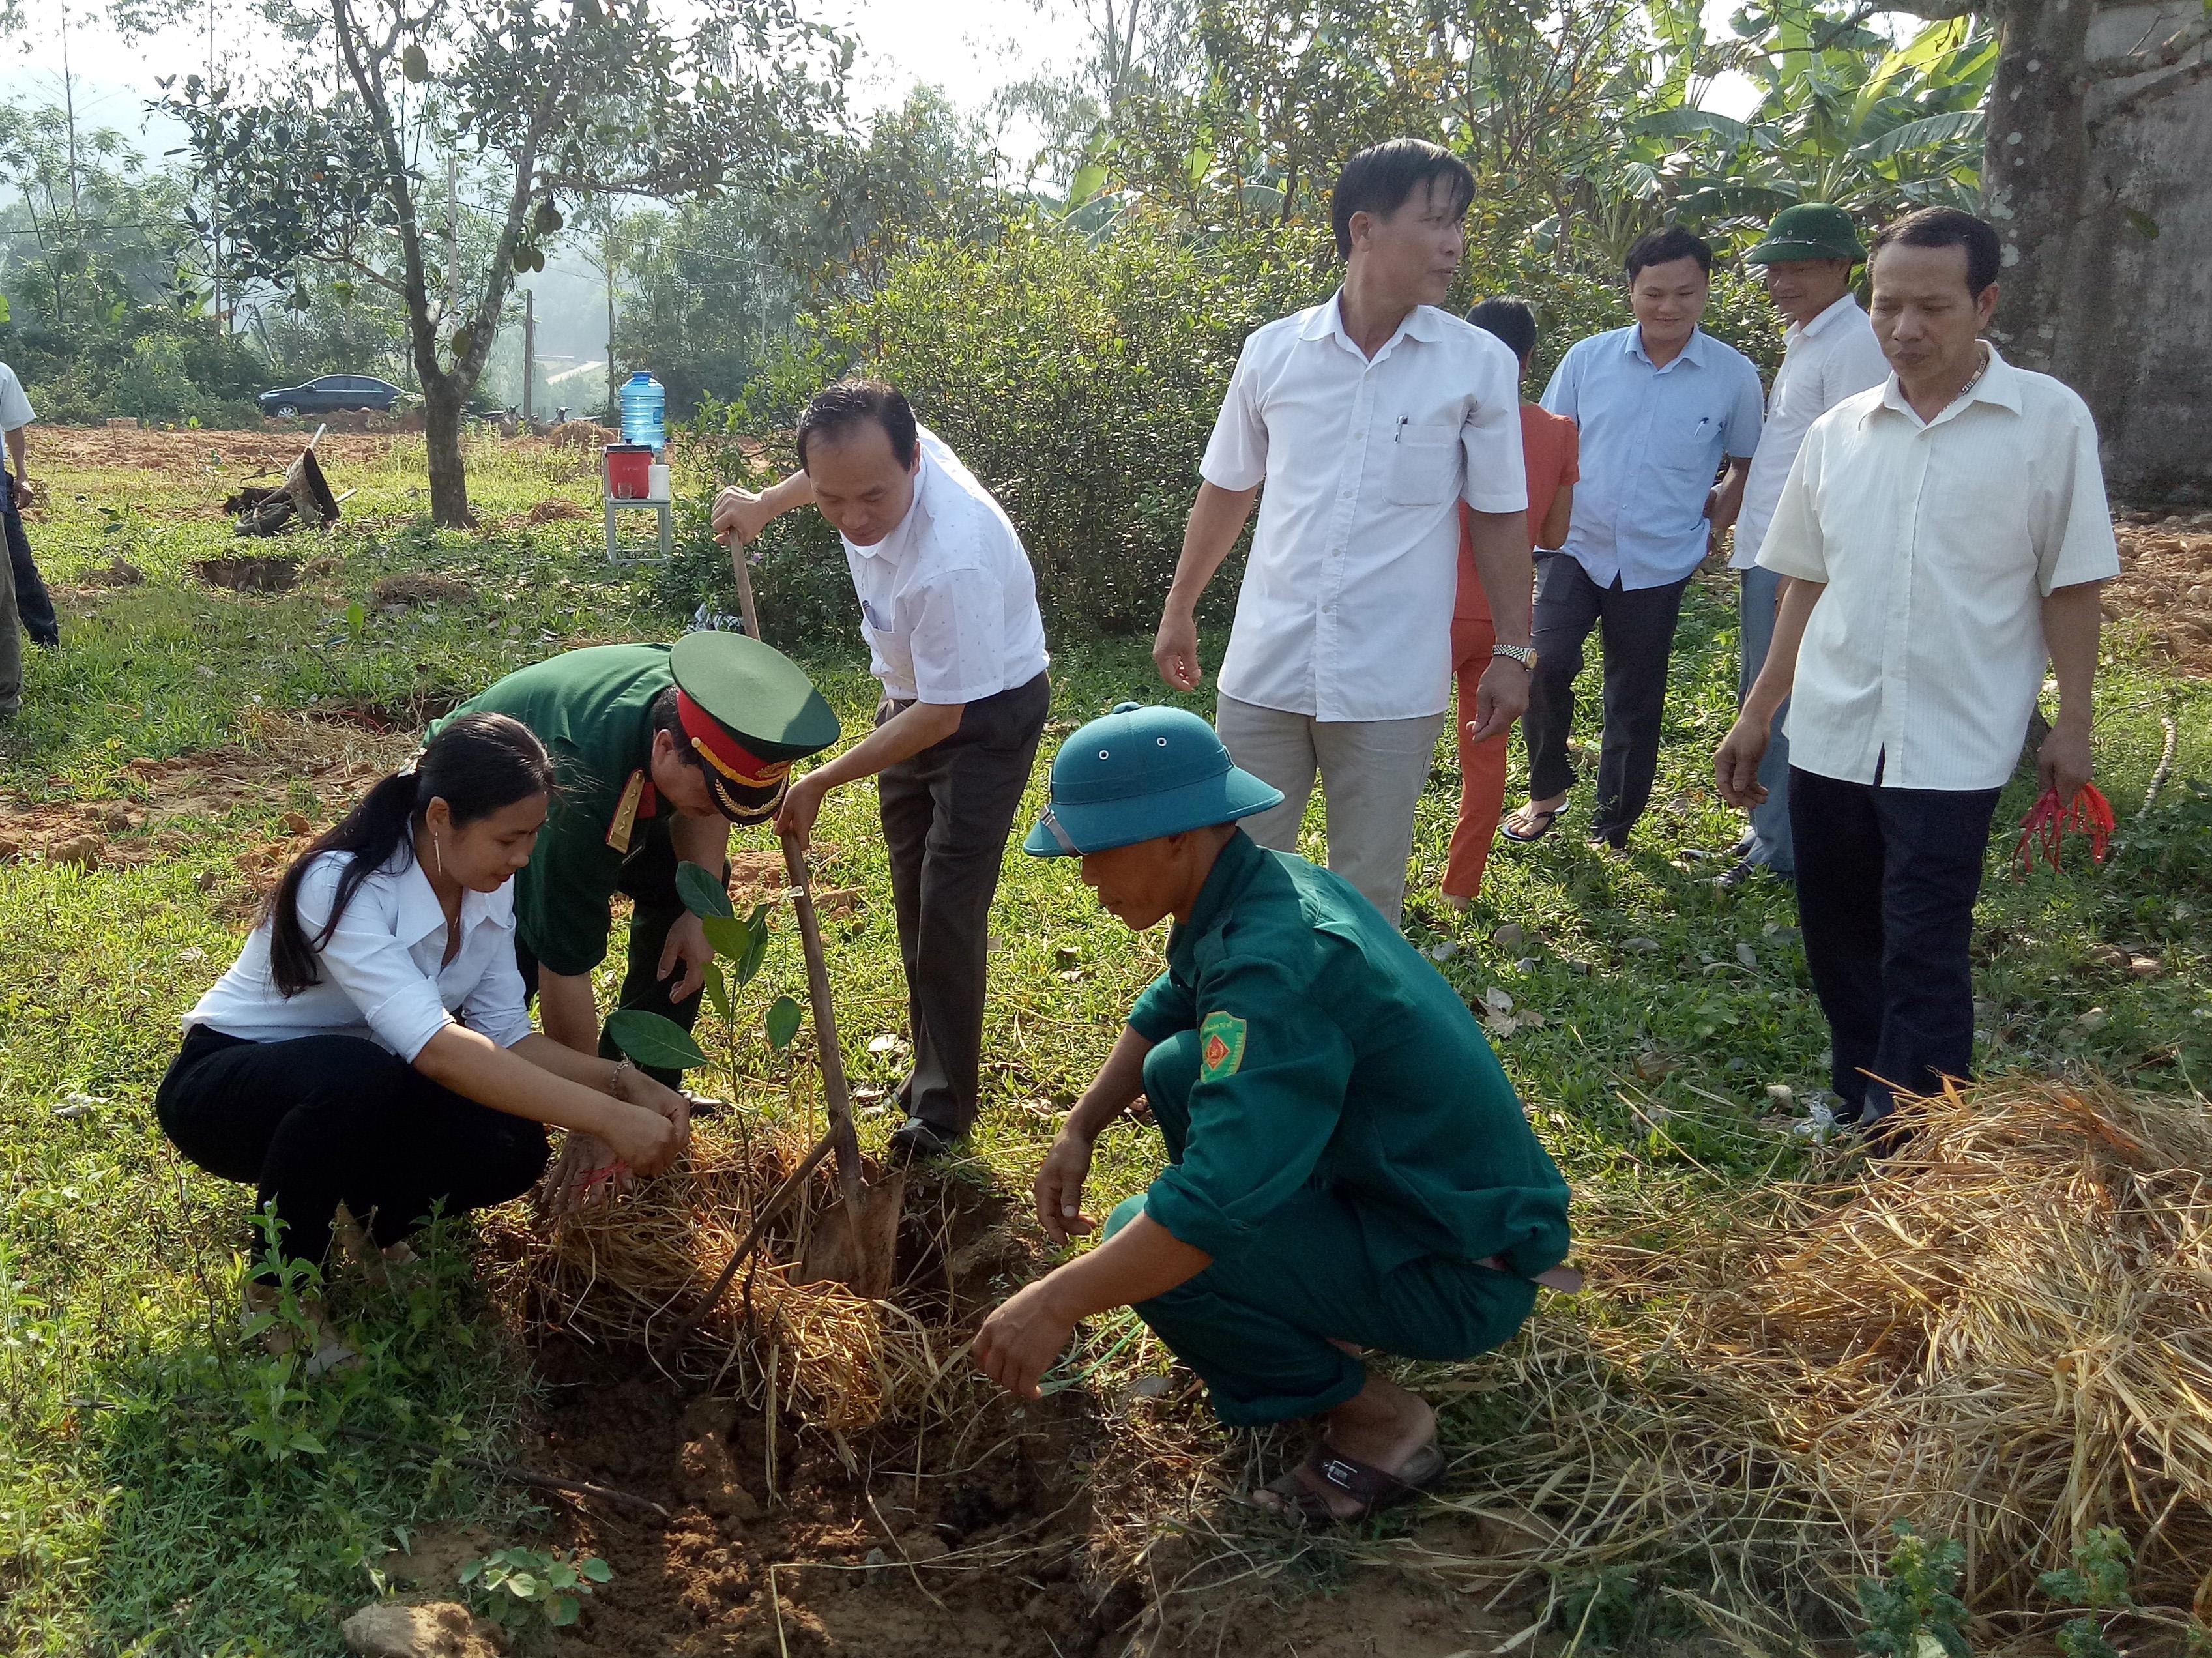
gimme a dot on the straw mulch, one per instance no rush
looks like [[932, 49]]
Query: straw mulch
[[627, 1272], [2001, 1335]]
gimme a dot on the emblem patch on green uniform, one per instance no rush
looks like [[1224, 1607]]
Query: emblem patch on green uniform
[[1220, 1047]]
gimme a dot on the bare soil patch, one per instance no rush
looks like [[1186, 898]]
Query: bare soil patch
[[304, 769], [961, 1524], [250, 575], [59, 449], [2166, 582]]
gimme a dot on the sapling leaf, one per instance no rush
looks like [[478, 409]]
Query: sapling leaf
[[782, 1021], [702, 895], [718, 989], [756, 949], [595, 1568], [653, 1041], [561, 1609], [730, 936]]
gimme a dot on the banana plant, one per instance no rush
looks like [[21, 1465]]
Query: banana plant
[[740, 947]]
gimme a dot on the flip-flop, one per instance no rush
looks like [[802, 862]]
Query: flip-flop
[[1543, 829], [1373, 1489]]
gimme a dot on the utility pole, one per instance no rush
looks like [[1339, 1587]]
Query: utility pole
[[614, 394], [69, 106], [529, 349], [215, 201]]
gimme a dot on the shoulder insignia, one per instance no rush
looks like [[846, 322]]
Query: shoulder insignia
[[1220, 1046], [624, 822]]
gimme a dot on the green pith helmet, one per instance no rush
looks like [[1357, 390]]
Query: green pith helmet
[[1808, 230], [1138, 773], [749, 711]]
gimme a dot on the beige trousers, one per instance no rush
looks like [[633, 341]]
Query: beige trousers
[[1370, 770]]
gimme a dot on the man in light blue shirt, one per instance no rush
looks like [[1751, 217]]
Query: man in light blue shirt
[[1662, 405]]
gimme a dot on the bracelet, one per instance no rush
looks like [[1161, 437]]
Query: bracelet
[[624, 1069]]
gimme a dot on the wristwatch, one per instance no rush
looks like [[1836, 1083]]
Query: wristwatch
[[1524, 654]]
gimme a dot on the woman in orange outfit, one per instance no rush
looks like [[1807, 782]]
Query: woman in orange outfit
[[1548, 443]]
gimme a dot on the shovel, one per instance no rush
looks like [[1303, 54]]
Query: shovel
[[854, 1242]]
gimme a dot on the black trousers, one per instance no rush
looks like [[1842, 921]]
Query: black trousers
[[648, 880], [34, 604], [1887, 879], [946, 813], [1638, 632], [319, 1120]]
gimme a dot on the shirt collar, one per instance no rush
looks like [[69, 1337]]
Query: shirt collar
[[1423, 322], [893, 546], [1693, 352], [1846, 307], [1998, 386], [421, 914], [1240, 859]]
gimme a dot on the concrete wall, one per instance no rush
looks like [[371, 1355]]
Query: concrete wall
[[2141, 352]]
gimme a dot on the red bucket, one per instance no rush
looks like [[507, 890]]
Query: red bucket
[[629, 471]]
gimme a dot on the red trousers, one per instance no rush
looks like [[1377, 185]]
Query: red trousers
[[1481, 765]]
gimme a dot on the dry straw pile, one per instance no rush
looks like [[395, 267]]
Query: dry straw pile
[[628, 1271], [2002, 1334]]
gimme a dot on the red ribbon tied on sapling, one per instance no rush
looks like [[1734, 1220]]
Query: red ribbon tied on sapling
[[2043, 831]]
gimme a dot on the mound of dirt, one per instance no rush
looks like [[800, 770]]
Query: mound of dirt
[[237, 455], [2166, 582], [419, 587], [556, 510], [249, 575]]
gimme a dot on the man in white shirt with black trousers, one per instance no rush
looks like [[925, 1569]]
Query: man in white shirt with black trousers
[[1370, 418], [1945, 535], [948, 605]]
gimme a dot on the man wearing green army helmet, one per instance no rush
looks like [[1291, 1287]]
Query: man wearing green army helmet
[[658, 749], [1347, 1165]]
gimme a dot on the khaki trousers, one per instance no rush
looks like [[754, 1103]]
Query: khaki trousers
[[1370, 770]]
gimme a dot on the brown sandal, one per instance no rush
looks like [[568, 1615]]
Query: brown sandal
[[1373, 1489]]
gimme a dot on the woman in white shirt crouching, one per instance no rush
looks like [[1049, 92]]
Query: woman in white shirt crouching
[[371, 1045]]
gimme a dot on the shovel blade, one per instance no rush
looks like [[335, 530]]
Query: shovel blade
[[857, 1245]]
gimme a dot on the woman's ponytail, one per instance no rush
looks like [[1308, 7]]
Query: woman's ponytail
[[478, 764]]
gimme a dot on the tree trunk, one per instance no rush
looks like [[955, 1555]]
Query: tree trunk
[[2035, 168], [442, 437]]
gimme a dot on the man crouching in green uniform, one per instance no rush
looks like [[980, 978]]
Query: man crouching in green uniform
[[658, 749], [1347, 1165]]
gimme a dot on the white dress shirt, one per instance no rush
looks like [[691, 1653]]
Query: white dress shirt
[[1346, 609], [1823, 361], [15, 406], [1938, 543], [381, 973], [948, 601]]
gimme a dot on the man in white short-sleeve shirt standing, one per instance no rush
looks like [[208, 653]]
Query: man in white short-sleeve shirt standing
[[949, 608], [1945, 536], [1829, 353], [1370, 419]]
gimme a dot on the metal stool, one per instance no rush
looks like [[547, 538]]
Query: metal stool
[[666, 525]]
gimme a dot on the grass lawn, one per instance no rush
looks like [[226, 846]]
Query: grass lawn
[[163, 1489]]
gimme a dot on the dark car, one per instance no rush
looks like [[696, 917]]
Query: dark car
[[328, 392]]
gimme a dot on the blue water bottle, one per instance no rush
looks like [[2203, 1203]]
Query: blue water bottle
[[644, 411]]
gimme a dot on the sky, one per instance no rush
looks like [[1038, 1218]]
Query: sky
[[968, 47]]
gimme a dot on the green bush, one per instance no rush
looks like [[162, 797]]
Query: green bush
[[1079, 377]]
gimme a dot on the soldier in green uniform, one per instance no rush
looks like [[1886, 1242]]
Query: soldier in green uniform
[[1347, 1165], [658, 749]]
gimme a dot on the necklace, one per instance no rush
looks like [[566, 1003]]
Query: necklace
[[1975, 379]]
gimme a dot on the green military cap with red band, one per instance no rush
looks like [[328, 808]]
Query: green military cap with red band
[[750, 711]]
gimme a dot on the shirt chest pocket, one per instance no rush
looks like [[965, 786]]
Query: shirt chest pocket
[[1423, 465], [1691, 443]]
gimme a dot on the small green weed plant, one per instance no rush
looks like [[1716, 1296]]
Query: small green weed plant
[[520, 1588], [1913, 1610]]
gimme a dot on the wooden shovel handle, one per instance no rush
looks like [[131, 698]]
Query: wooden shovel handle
[[739, 567], [837, 1100]]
